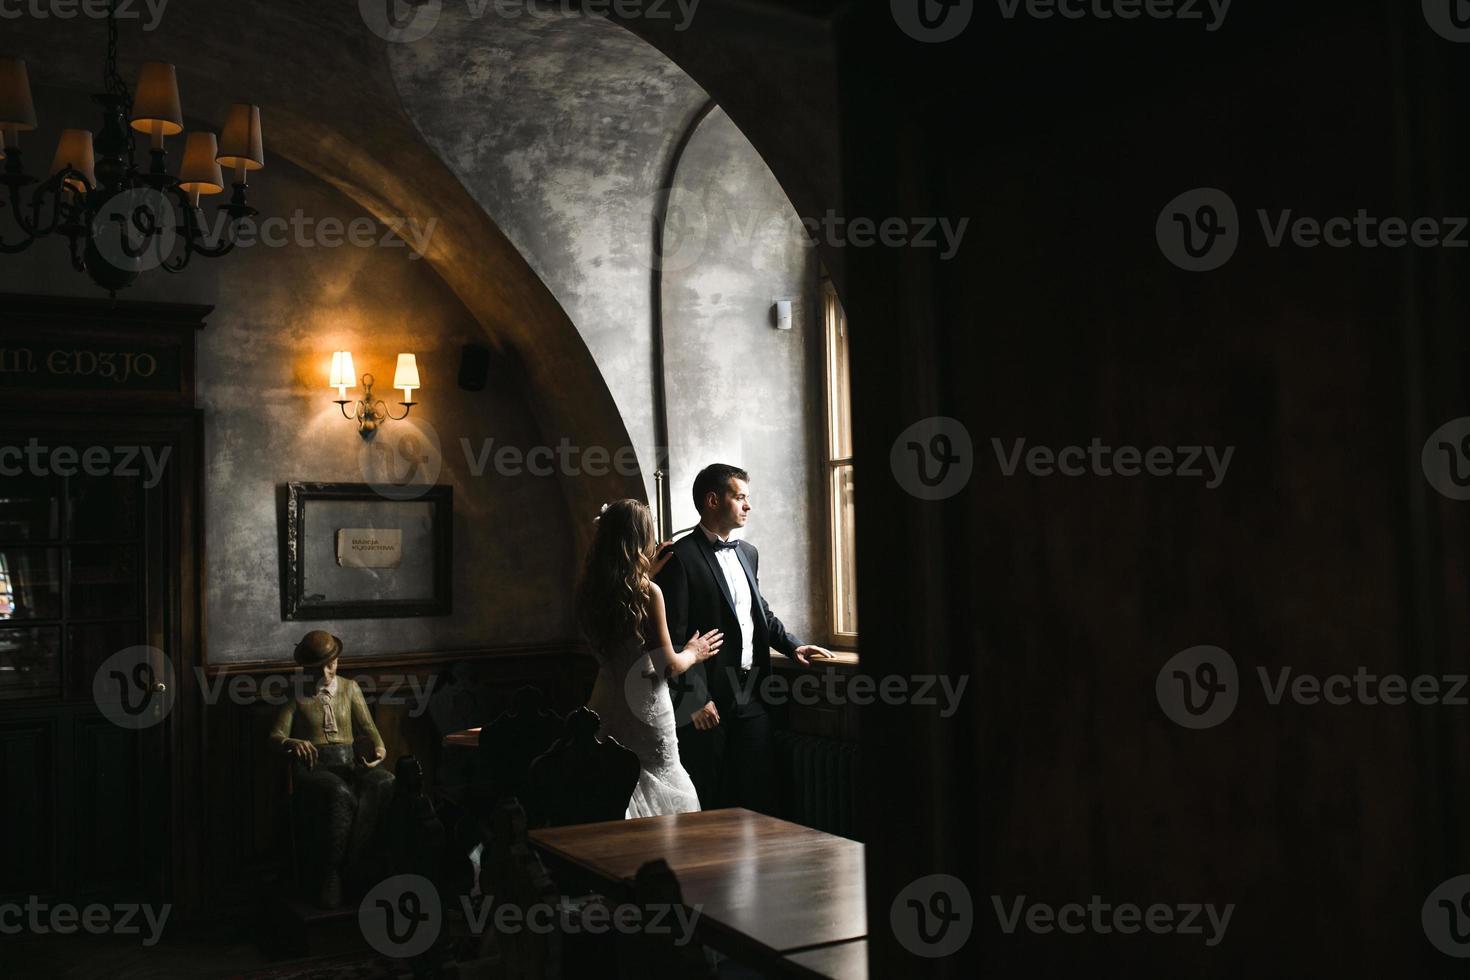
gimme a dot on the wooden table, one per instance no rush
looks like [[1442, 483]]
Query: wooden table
[[776, 895]]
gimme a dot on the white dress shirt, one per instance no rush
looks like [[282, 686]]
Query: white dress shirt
[[740, 590]]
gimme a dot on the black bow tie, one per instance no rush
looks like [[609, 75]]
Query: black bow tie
[[725, 545]]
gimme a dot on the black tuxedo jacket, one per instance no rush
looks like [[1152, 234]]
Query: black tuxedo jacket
[[697, 597]]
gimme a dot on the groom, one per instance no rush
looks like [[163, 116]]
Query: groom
[[710, 582]]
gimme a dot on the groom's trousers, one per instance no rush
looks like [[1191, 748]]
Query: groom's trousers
[[732, 764]]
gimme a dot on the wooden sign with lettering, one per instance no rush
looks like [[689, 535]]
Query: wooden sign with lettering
[[88, 364], [93, 353]]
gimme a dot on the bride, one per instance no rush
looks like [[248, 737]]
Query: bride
[[621, 610]]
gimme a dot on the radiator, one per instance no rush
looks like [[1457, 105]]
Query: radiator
[[818, 782]]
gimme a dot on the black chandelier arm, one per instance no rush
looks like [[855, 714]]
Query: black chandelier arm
[[30, 227], [196, 235], [192, 238], [182, 262], [61, 208], [407, 407], [27, 238], [38, 201], [224, 247], [186, 231], [18, 207], [8, 249], [195, 243]]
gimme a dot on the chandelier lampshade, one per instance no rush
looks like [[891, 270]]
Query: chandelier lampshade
[[240, 146], [74, 152], [200, 173], [17, 109], [156, 108]]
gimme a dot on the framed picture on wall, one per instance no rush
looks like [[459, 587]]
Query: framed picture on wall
[[351, 553]]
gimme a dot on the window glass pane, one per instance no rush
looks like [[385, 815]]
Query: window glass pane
[[839, 408], [30, 583], [104, 581], [30, 508], [844, 553], [30, 662]]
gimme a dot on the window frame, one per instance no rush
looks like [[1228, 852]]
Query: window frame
[[832, 461]]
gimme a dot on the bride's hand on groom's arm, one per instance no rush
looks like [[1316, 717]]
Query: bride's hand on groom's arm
[[665, 552], [705, 646]]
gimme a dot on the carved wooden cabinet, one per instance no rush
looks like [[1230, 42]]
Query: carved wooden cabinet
[[98, 556]]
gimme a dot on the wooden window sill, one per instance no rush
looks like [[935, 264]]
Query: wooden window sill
[[846, 660]]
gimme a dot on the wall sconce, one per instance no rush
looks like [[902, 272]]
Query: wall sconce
[[368, 412]]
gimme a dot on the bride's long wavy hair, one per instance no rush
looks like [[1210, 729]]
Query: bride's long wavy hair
[[613, 597]]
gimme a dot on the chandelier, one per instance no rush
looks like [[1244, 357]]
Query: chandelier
[[119, 220]]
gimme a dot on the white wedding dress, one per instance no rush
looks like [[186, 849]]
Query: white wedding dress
[[632, 699]]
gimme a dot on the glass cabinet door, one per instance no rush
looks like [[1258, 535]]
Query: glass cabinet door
[[30, 586], [71, 577]]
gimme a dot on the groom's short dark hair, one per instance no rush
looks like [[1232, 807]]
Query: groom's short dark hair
[[714, 478]]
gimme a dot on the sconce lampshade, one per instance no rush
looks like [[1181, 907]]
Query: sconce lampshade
[[156, 106], [240, 145], [342, 377], [407, 375], [74, 152], [17, 110], [200, 172]]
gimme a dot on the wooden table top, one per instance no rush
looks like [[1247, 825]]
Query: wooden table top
[[757, 880]]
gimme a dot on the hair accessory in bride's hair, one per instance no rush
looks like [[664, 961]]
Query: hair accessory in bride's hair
[[600, 513]]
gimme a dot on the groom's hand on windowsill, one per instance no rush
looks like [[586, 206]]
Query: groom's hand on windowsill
[[808, 652]]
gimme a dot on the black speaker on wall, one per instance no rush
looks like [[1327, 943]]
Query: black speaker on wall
[[474, 367]]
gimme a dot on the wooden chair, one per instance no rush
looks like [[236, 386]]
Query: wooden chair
[[512, 875], [664, 953], [414, 832], [583, 778], [509, 744]]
